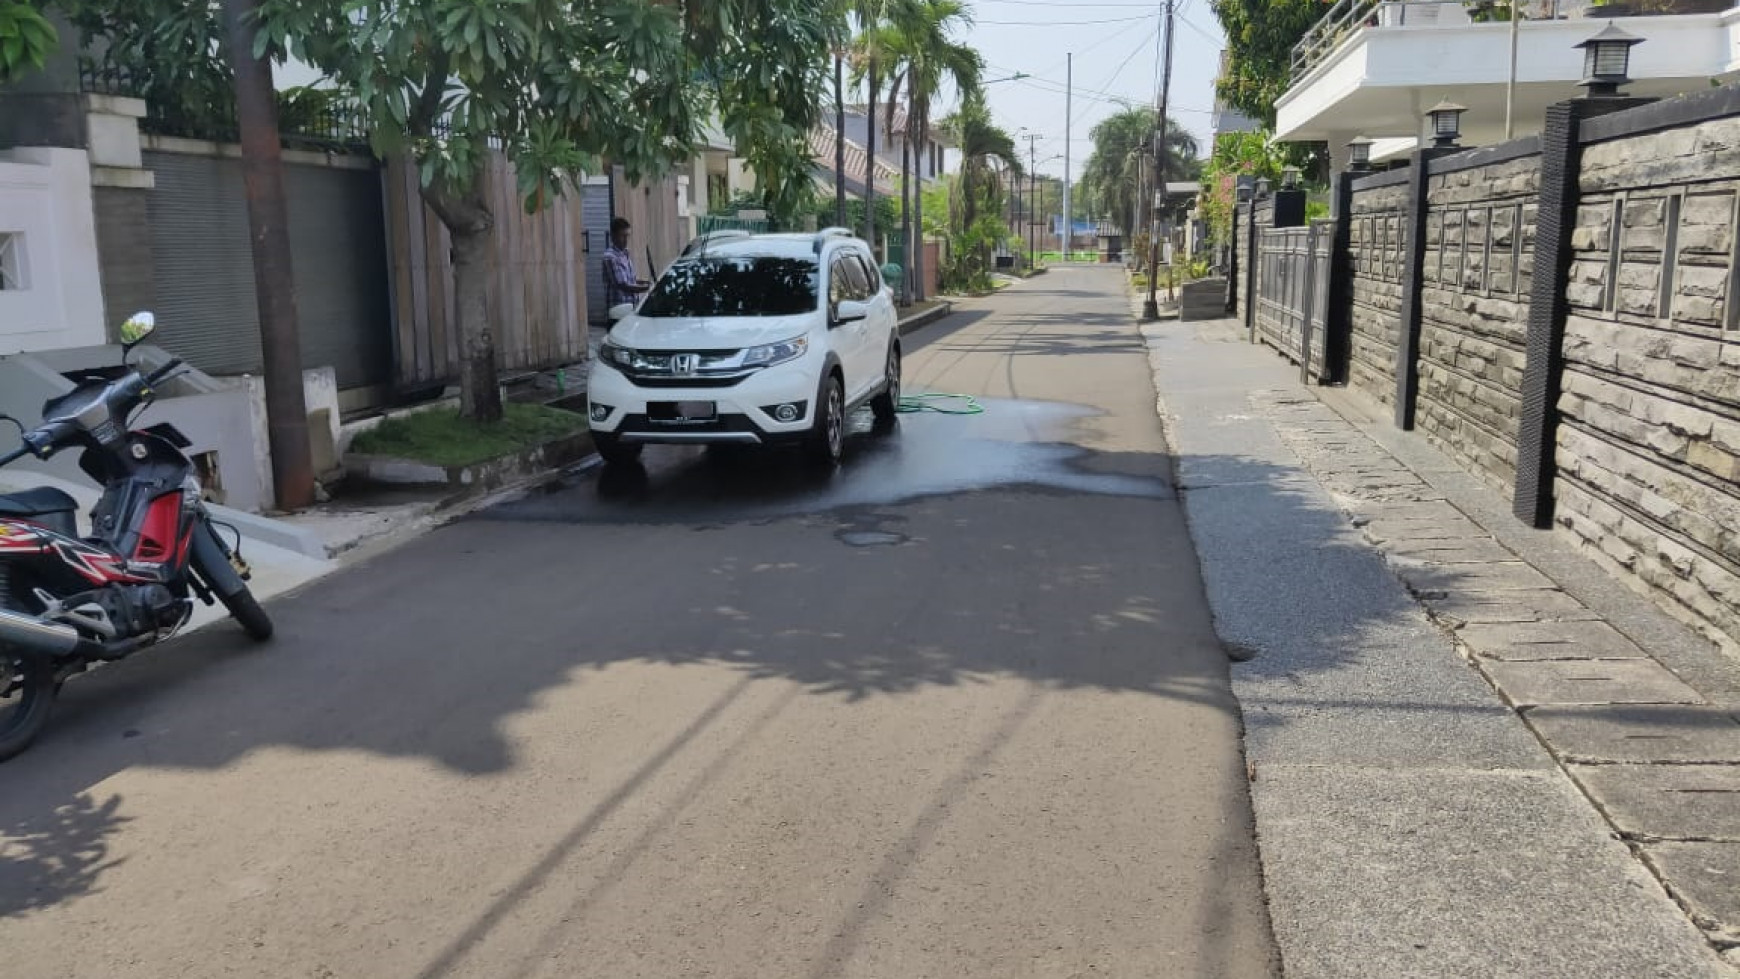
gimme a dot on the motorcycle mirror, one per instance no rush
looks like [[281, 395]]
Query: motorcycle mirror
[[137, 327]]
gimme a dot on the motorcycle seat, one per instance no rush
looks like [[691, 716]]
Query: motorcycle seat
[[39, 502]]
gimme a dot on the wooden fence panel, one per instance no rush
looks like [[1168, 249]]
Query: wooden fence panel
[[537, 283]]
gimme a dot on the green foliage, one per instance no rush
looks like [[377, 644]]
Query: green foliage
[[26, 38], [1235, 155], [440, 437], [1260, 35], [887, 213], [1121, 163]]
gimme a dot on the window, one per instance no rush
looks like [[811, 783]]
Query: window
[[859, 287], [12, 262], [871, 276], [735, 285]]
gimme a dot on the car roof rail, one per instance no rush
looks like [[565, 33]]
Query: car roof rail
[[826, 233], [723, 234]]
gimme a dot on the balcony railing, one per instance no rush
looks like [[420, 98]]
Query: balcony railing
[[1348, 17]]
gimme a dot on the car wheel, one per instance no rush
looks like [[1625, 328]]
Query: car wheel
[[828, 438], [614, 450], [887, 404]]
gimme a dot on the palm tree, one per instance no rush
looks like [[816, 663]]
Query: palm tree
[[1121, 161], [919, 39], [869, 52], [987, 153], [988, 159]]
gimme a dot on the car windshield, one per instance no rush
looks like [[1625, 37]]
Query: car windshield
[[735, 285]]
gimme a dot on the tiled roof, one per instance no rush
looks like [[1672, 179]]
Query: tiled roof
[[822, 151]]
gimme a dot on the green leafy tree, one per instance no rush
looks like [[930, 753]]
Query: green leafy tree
[[989, 160], [26, 38], [927, 56], [1120, 168], [1260, 35], [1254, 155], [561, 87]]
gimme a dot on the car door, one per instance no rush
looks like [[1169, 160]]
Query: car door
[[887, 318], [851, 340]]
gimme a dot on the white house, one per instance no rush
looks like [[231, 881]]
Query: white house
[[1374, 67], [935, 158]]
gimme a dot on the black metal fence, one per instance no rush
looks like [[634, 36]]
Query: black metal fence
[[310, 119], [1292, 299]]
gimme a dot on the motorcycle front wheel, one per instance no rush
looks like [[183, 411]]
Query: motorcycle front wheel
[[26, 697], [246, 610]]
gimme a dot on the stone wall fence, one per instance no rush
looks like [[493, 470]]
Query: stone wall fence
[[1558, 313]]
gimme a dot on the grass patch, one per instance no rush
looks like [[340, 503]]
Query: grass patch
[[440, 437]]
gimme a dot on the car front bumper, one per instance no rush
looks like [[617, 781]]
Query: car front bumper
[[745, 413]]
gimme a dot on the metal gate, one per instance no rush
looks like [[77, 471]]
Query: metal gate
[[1292, 300], [595, 212], [204, 266]]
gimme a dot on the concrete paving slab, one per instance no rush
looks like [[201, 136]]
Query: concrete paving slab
[[1540, 605], [1705, 877], [1586, 639], [1612, 681], [1667, 802], [1450, 551], [1385, 874], [1499, 577], [1397, 732], [1637, 733], [1387, 530]]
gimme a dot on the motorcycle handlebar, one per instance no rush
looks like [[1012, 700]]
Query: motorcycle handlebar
[[157, 376]]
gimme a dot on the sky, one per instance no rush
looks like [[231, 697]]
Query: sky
[[1116, 44]]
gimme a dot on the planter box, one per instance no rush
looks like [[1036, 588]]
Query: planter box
[[477, 478]]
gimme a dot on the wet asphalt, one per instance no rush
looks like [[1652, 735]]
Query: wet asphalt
[[954, 710]]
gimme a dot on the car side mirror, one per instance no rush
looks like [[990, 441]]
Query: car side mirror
[[136, 328], [851, 311]]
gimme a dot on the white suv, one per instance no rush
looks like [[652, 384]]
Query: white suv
[[750, 339]]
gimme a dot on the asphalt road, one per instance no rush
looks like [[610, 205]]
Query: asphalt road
[[956, 711]]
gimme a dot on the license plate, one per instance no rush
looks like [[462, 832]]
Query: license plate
[[696, 410]]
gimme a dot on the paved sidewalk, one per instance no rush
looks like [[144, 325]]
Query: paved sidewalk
[[1472, 752]]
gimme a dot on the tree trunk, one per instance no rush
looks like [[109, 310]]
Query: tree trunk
[[839, 142], [917, 262], [870, 169], [906, 193], [268, 225], [471, 228]]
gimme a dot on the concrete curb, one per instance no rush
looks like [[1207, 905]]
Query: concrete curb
[[919, 321]]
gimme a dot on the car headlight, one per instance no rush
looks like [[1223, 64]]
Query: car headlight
[[615, 356], [769, 354]]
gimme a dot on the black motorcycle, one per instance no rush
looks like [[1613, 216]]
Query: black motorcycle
[[68, 602]]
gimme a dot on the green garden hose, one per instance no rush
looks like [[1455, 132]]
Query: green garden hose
[[944, 404]]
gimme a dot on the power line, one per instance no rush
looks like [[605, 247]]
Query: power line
[[1061, 23]]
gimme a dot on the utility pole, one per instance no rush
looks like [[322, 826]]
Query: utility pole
[[274, 288], [1032, 197], [1510, 83], [1068, 118], [1151, 307]]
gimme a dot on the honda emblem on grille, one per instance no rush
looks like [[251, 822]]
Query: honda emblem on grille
[[683, 365]]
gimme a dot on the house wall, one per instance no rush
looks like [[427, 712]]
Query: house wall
[[50, 247]]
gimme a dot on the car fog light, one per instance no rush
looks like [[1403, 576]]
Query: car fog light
[[786, 413], [600, 412]]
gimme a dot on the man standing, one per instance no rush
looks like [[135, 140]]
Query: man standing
[[621, 286]]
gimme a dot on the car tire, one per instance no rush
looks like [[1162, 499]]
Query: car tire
[[614, 450], [887, 404], [827, 439]]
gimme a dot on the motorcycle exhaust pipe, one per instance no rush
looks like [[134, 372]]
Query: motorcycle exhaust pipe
[[27, 632]]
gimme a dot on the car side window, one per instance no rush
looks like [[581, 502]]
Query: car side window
[[872, 275], [860, 286], [839, 284]]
